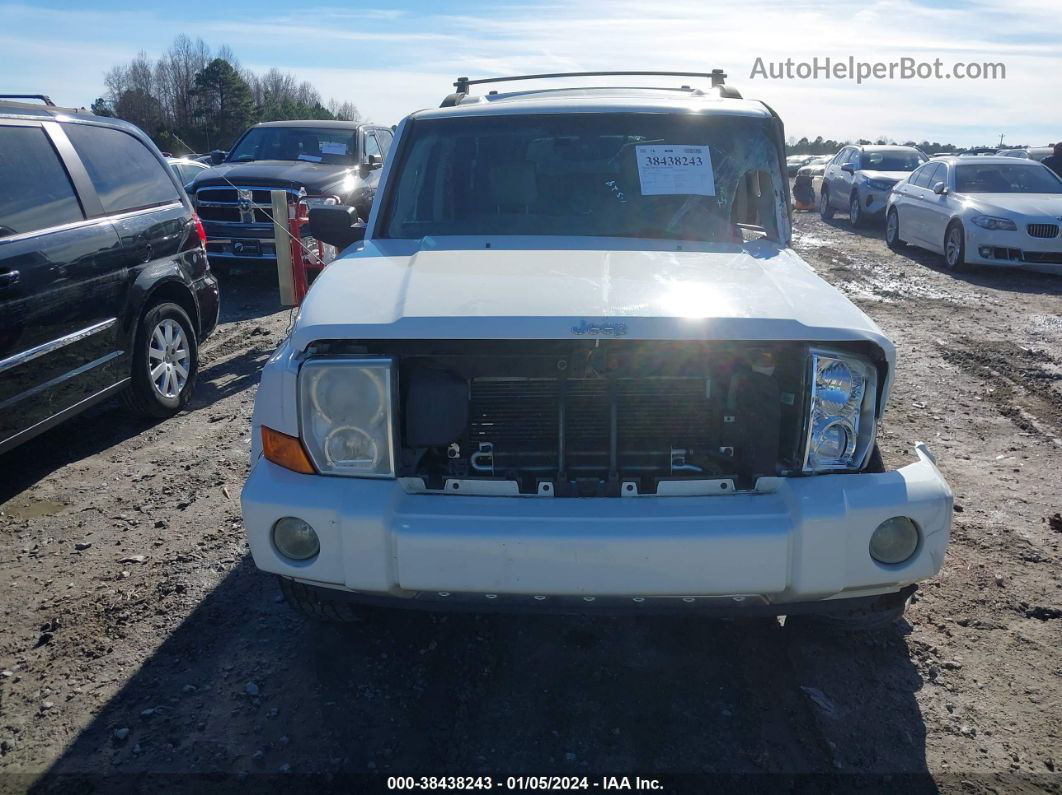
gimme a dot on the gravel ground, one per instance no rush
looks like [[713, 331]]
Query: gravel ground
[[137, 638]]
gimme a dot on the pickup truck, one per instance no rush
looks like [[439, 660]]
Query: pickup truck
[[319, 161], [572, 364]]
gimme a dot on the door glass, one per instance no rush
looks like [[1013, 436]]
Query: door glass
[[372, 147], [35, 191], [920, 178], [127, 176], [936, 174], [384, 137]]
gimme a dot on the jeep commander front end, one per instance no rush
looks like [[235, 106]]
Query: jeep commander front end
[[575, 365]]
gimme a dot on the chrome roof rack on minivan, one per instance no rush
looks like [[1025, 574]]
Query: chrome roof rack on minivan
[[717, 76]]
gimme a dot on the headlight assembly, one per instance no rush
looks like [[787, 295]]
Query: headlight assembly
[[841, 419], [991, 222], [345, 415], [881, 184]]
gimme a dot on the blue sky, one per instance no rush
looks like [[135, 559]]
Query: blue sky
[[392, 58]]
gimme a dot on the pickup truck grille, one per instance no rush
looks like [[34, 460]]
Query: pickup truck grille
[[239, 204]]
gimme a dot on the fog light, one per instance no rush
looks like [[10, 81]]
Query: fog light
[[295, 539], [894, 540], [985, 251]]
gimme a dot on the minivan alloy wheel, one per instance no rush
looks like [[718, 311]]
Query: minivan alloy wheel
[[168, 358]]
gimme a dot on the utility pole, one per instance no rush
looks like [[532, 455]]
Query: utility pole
[[1001, 140]]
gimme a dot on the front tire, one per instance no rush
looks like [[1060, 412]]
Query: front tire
[[955, 247], [846, 623], [825, 208], [165, 362], [312, 604], [892, 231], [855, 210]]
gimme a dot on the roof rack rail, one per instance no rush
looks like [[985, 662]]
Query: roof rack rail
[[462, 84], [45, 99]]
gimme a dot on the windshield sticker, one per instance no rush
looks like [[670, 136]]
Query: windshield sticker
[[333, 148], [311, 158], [675, 170]]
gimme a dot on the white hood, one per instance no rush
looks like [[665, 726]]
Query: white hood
[[1045, 206], [895, 176], [403, 290]]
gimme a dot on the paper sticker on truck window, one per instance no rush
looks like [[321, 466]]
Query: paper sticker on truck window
[[333, 148], [672, 169]]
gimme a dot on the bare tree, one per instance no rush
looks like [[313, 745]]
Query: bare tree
[[168, 99], [346, 111]]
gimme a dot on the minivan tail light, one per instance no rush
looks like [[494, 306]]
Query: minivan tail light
[[199, 230]]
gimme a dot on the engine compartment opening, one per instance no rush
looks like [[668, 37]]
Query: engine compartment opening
[[594, 417]]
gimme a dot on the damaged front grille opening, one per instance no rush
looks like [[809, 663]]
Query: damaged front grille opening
[[594, 418]]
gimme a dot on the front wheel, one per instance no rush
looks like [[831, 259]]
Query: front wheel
[[955, 247], [855, 210], [315, 603], [892, 230], [846, 623], [825, 208], [165, 362]]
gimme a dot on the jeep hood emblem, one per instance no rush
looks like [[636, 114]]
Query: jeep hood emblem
[[600, 328]]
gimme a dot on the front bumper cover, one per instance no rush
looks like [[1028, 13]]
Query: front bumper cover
[[797, 540]]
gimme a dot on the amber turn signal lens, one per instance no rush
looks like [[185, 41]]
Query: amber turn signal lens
[[285, 451]]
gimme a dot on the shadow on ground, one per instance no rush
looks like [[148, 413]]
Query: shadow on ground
[[109, 424], [244, 689]]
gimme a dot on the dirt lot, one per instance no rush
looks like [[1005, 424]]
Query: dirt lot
[[137, 638]]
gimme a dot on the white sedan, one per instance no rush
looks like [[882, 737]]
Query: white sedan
[[999, 211]]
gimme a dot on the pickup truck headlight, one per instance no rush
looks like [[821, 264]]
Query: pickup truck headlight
[[841, 419], [991, 222], [345, 413]]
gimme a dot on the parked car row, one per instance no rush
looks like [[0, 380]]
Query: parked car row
[[105, 287], [992, 210]]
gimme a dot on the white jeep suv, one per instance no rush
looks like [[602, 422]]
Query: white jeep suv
[[574, 365]]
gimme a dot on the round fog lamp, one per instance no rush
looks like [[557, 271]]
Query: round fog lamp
[[894, 540], [295, 539]]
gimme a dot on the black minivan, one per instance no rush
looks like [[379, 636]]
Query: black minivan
[[105, 286]]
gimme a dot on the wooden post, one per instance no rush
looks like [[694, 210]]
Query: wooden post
[[282, 240]]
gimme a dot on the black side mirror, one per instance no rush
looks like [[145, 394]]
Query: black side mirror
[[337, 225], [373, 162], [848, 168], [940, 189], [217, 157]]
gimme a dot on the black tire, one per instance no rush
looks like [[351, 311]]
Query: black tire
[[955, 261], [825, 208], [311, 603], [142, 396], [846, 623], [855, 211], [892, 231], [875, 464]]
